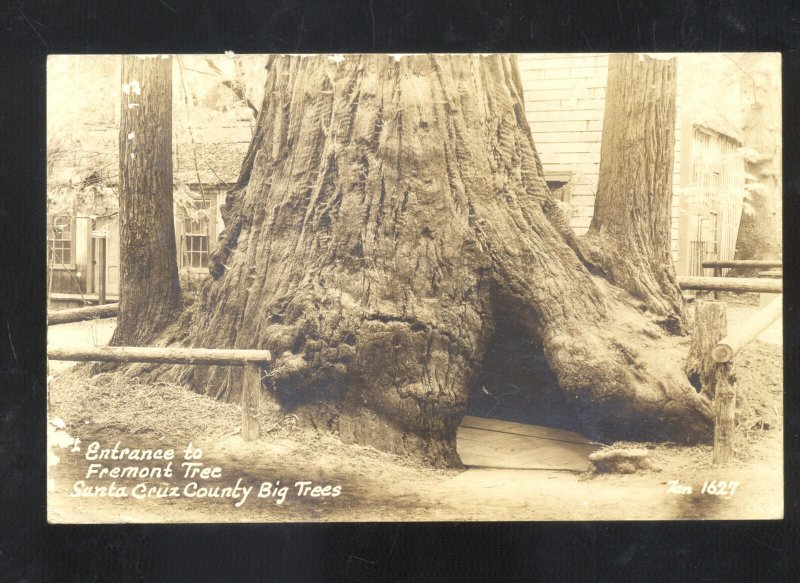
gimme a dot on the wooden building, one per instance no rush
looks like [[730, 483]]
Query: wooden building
[[712, 196], [203, 172], [565, 101]]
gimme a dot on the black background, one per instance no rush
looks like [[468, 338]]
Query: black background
[[30, 550]]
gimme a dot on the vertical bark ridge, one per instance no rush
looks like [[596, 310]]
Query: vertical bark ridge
[[629, 238]]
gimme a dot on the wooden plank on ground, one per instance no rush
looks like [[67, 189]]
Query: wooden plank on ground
[[484, 423], [538, 431], [504, 444]]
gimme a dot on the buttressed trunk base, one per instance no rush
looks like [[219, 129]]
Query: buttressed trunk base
[[385, 210]]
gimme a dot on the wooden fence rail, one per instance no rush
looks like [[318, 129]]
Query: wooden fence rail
[[80, 314], [251, 360], [743, 263], [734, 284], [728, 347], [170, 355]]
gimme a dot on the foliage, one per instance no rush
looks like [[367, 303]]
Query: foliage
[[187, 200], [81, 160], [82, 116]]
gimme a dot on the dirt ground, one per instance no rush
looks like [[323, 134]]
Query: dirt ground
[[375, 486]]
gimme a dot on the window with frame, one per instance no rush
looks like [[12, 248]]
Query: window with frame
[[195, 237], [716, 164], [560, 189], [59, 241]]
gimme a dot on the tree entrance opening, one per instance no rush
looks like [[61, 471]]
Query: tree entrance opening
[[515, 382]]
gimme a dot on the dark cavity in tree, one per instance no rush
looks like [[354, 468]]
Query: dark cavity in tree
[[514, 382]]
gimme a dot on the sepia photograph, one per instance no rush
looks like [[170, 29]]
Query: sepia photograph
[[414, 287]]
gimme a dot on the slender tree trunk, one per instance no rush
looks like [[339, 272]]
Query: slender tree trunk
[[629, 239], [150, 294], [390, 225], [760, 226]]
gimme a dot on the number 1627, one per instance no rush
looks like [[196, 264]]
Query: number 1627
[[719, 488]]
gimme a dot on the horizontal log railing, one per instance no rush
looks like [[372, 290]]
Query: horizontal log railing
[[251, 360], [734, 284], [168, 355], [728, 347], [80, 314], [743, 263]]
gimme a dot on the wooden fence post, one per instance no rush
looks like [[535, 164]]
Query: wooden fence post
[[101, 287], [710, 326], [712, 378], [251, 394], [724, 413]]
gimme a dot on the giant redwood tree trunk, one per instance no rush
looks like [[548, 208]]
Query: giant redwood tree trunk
[[150, 296], [629, 238], [390, 222]]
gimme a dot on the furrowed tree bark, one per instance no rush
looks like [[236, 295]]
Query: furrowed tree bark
[[150, 295], [629, 238], [391, 221]]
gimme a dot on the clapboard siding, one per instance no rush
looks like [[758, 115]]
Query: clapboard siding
[[586, 74], [565, 156], [583, 125], [564, 102], [555, 112], [588, 94], [564, 81], [568, 137]]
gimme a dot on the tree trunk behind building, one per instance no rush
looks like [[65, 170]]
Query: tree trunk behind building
[[391, 225], [150, 294], [629, 238], [760, 227]]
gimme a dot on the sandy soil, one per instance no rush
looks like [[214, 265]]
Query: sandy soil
[[376, 486], [78, 335]]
